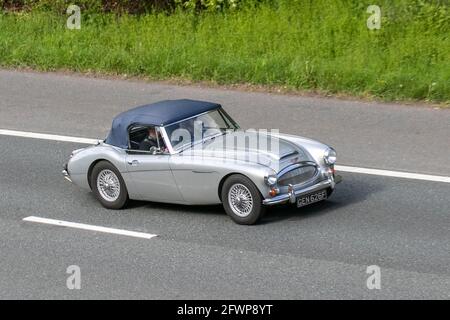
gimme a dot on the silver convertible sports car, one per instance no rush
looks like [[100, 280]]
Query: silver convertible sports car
[[193, 153]]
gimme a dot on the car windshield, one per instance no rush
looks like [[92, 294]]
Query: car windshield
[[200, 128]]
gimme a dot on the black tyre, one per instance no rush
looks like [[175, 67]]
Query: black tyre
[[108, 186], [242, 200]]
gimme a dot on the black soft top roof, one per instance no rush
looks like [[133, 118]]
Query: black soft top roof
[[157, 114]]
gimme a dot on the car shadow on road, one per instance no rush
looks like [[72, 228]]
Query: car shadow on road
[[354, 189], [200, 209]]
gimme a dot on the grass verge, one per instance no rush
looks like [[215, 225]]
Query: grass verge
[[306, 45]]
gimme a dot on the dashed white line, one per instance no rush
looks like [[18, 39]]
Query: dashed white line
[[377, 172], [90, 227], [395, 174], [45, 136]]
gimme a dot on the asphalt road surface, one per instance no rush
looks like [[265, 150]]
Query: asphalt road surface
[[321, 251]]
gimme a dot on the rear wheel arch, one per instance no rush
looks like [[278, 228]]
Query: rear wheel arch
[[111, 191], [91, 167]]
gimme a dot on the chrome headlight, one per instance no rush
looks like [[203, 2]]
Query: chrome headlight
[[330, 156], [271, 180]]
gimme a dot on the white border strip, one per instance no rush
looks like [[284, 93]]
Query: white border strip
[[90, 227], [44, 136], [377, 172], [396, 174]]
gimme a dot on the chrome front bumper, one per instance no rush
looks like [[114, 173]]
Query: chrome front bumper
[[294, 194]]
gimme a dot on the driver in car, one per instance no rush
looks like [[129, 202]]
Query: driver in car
[[151, 141]]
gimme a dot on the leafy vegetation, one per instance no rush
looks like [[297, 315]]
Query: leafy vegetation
[[299, 44]]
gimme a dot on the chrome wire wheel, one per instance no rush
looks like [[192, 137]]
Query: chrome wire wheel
[[240, 200], [108, 185]]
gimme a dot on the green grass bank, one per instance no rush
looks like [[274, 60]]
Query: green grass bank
[[306, 45]]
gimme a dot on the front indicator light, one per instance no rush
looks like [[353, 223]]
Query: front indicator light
[[273, 192]]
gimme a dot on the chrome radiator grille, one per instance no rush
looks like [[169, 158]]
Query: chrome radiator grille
[[297, 175]]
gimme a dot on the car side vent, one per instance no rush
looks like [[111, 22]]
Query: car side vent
[[288, 155]]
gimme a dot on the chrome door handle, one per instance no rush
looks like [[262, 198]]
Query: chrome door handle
[[133, 163]]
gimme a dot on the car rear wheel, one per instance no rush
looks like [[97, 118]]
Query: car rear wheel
[[108, 186], [242, 200]]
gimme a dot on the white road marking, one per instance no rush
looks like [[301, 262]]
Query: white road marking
[[377, 172], [395, 174], [90, 227], [45, 136]]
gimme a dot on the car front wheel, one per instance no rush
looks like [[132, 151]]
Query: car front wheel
[[108, 186], [242, 200]]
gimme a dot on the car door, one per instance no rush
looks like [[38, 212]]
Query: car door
[[151, 177]]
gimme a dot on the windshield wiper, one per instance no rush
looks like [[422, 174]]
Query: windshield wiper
[[213, 137], [203, 141]]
